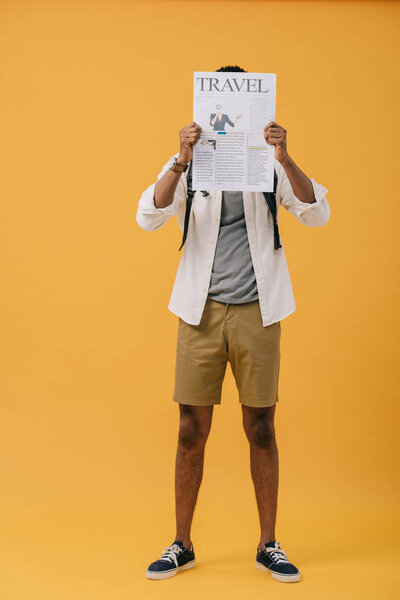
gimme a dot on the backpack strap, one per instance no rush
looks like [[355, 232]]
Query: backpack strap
[[270, 197], [190, 194], [189, 199]]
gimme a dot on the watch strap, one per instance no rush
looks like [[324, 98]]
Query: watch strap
[[182, 168]]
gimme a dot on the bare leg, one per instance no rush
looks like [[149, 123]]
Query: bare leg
[[259, 427], [194, 428]]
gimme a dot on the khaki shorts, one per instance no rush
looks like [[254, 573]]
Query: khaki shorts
[[234, 333]]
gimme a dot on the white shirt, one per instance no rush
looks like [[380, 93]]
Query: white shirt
[[190, 289]]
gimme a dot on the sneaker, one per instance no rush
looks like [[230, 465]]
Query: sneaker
[[174, 558], [274, 560]]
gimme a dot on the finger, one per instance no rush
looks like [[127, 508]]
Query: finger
[[273, 124], [274, 141], [274, 129], [273, 133], [192, 131], [276, 135]]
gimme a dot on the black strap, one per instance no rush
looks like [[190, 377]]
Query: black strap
[[189, 199], [270, 197], [271, 201]]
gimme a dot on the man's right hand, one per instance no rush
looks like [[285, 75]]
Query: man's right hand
[[189, 136]]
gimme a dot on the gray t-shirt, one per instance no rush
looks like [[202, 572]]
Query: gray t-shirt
[[232, 277]]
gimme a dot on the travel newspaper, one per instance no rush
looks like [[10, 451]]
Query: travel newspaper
[[232, 110]]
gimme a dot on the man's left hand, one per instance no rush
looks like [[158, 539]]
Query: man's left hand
[[275, 135]]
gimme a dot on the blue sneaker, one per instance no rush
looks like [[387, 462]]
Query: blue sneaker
[[174, 558], [274, 560]]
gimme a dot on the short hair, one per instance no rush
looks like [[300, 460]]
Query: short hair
[[235, 68]]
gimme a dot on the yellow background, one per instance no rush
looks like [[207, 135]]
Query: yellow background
[[93, 95]]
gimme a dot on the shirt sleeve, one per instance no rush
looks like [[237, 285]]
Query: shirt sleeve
[[148, 216], [311, 214], [211, 118], [229, 121]]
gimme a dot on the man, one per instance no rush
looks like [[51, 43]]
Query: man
[[218, 120], [232, 289]]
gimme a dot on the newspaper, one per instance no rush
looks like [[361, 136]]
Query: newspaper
[[232, 110]]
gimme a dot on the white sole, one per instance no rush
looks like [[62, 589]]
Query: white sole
[[170, 573], [284, 578]]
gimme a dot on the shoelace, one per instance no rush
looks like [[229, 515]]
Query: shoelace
[[277, 554], [170, 553]]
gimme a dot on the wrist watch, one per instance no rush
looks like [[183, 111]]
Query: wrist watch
[[181, 168]]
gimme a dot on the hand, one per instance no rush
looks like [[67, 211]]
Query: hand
[[276, 135], [189, 136]]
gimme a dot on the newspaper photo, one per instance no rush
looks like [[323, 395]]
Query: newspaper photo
[[232, 109]]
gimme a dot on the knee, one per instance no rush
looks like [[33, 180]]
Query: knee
[[261, 433], [192, 434]]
